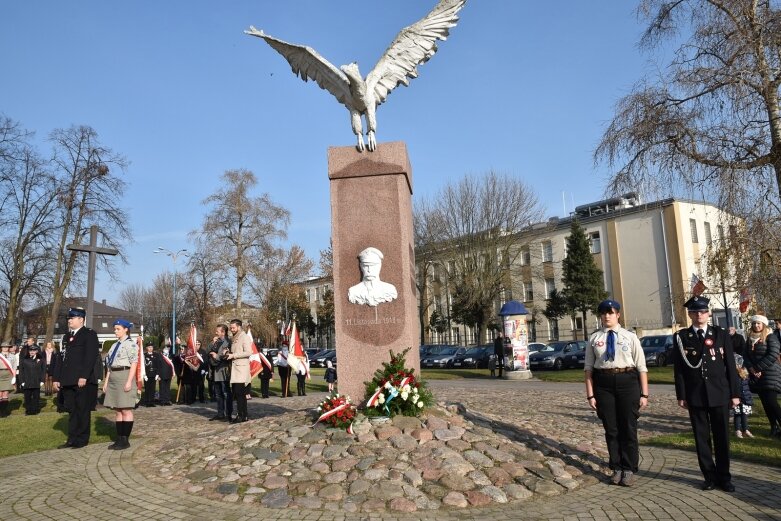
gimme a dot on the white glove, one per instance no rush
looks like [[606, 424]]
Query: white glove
[[157, 378], [13, 380], [22, 384], [41, 384], [145, 378]]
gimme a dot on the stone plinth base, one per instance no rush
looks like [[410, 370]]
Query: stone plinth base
[[517, 375]]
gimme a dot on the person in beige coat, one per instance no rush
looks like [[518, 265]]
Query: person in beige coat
[[241, 349]]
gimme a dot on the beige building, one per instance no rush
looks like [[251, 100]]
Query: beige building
[[315, 290], [648, 254]]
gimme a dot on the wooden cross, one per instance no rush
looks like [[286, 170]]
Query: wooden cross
[[93, 250]]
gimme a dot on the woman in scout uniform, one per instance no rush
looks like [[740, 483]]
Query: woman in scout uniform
[[617, 388], [120, 385], [7, 378]]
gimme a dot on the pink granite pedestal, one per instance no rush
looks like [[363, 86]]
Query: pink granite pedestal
[[371, 205]]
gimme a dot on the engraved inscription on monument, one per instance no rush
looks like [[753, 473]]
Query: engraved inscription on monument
[[371, 291]]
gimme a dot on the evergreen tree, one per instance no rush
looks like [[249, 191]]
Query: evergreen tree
[[583, 281]]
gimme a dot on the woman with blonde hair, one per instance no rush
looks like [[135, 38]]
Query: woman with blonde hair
[[761, 360]]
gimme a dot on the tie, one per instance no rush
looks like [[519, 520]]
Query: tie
[[701, 336], [610, 354]]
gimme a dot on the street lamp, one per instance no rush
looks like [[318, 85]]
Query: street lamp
[[173, 256]]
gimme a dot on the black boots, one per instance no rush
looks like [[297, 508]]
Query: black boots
[[123, 434], [5, 408]]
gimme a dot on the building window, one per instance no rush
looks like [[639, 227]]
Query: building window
[[526, 256], [308, 295], [547, 251], [578, 324], [595, 245], [708, 238], [317, 295], [508, 294], [693, 227], [104, 325], [528, 292], [553, 329], [720, 232], [550, 286]]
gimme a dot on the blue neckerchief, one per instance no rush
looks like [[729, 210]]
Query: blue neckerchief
[[114, 351], [610, 353]]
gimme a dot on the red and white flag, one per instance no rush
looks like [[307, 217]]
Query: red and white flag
[[256, 360], [140, 366], [745, 299], [192, 356], [295, 342], [698, 287]]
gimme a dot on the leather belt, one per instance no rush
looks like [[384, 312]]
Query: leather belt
[[123, 368], [617, 370]]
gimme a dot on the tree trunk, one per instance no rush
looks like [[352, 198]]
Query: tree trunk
[[585, 327]]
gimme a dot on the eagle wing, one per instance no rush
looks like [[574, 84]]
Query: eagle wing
[[308, 64], [414, 45]]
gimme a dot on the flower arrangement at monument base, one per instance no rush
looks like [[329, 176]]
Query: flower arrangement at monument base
[[336, 411], [396, 390]]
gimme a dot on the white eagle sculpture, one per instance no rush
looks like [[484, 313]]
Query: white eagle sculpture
[[414, 45]]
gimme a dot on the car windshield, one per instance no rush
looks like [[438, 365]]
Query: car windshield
[[653, 341], [448, 351], [554, 346], [474, 351]]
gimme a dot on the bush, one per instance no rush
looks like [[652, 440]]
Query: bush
[[395, 390]]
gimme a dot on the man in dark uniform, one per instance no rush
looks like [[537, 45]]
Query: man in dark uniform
[[150, 375], [165, 372], [707, 384], [499, 351], [77, 378]]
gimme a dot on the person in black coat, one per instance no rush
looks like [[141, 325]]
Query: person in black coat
[[150, 375], [499, 352], [707, 385], [31, 375], [165, 373], [50, 356], [77, 377], [738, 342], [761, 359], [266, 375]]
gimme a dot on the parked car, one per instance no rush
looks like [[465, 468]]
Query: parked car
[[443, 359], [557, 355], [580, 356], [658, 349], [432, 349], [322, 357], [535, 346], [474, 357], [312, 351]]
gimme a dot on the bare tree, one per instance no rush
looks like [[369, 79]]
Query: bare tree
[[88, 193], [712, 121], [26, 224], [477, 221], [426, 230], [326, 263], [203, 281], [276, 268], [246, 227]]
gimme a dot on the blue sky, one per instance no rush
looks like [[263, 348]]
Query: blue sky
[[522, 87]]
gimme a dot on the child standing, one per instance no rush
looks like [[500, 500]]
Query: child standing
[[741, 412], [330, 375], [31, 376]]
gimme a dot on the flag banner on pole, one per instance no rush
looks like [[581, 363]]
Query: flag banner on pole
[[698, 287], [192, 356], [140, 366], [745, 300], [255, 363]]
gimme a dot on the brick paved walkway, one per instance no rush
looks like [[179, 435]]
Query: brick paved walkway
[[94, 483]]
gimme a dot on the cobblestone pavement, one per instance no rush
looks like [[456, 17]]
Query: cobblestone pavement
[[94, 483]]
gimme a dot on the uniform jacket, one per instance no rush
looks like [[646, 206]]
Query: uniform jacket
[[80, 355], [150, 365], [763, 357], [164, 371], [31, 373], [241, 348], [710, 382]]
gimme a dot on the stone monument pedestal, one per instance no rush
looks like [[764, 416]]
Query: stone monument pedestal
[[517, 375], [371, 207]]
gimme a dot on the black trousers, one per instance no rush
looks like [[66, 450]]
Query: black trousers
[[32, 401], [770, 404], [618, 406], [264, 387], [165, 391], [301, 384], [284, 380], [240, 393], [78, 402], [706, 421], [149, 390]]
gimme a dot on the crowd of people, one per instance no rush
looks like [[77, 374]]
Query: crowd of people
[[220, 372]]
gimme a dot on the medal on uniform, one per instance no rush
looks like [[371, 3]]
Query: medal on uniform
[[712, 353]]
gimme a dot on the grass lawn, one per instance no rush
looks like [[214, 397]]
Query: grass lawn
[[760, 449], [656, 375]]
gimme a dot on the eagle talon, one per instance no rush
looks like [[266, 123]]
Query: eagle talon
[[360, 145], [372, 141]]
